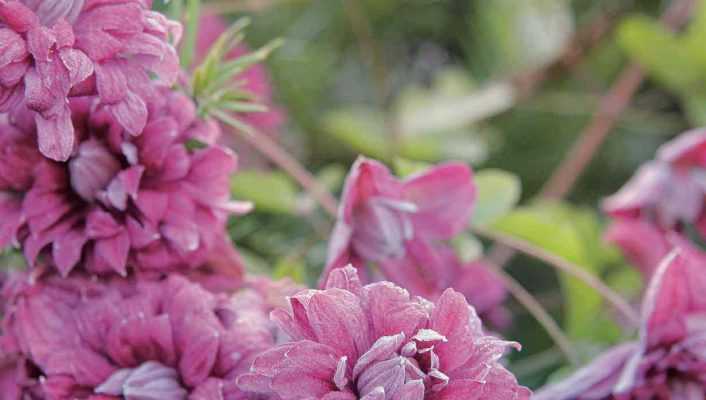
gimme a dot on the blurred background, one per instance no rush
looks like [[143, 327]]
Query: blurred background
[[508, 86]]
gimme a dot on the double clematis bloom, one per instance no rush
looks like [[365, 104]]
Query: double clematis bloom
[[82, 338], [52, 50], [401, 226], [351, 341], [668, 361], [155, 202], [666, 195]]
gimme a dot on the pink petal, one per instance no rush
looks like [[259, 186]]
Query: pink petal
[[199, 356], [595, 380], [392, 311], [111, 82], [56, 135], [643, 244], [67, 250], [338, 320], [153, 204], [146, 338], [18, 16], [101, 224], [345, 278], [451, 317], [12, 47], [126, 184], [444, 196], [114, 251], [78, 64], [131, 113]]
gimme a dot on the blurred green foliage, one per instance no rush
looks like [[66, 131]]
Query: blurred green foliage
[[413, 82]]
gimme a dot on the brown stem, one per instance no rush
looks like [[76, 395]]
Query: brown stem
[[611, 105], [284, 160], [561, 264], [369, 48], [539, 313], [583, 40]]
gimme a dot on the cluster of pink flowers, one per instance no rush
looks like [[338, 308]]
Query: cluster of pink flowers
[[54, 50], [149, 339], [117, 194]]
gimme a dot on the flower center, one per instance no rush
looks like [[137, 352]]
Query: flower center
[[395, 362], [384, 226]]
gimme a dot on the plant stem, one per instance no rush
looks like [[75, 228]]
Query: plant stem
[[284, 160], [563, 265], [539, 313], [193, 15], [610, 107], [612, 104]]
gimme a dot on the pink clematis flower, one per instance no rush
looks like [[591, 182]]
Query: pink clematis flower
[[400, 226], [668, 361], [255, 80], [151, 201], [665, 195], [82, 338], [54, 49], [350, 342]]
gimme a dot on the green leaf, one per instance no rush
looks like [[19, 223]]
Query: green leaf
[[498, 192], [695, 108], [661, 52], [331, 176], [194, 144], [272, 192], [289, 268], [405, 167], [193, 15], [467, 247], [574, 235], [361, 129]]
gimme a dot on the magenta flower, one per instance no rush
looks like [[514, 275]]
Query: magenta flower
[[254, 80], [82, 338], [668, 361], [376, 342], [54, 49], [151, 202], [400, 226], [665, 195]]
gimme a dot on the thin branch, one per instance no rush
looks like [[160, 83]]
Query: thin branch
[[563, 265], [369, 48], [373, 55], [611, 105], [586, 37], [538, 312], [284, 160], [536, 363], [240, 6]]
